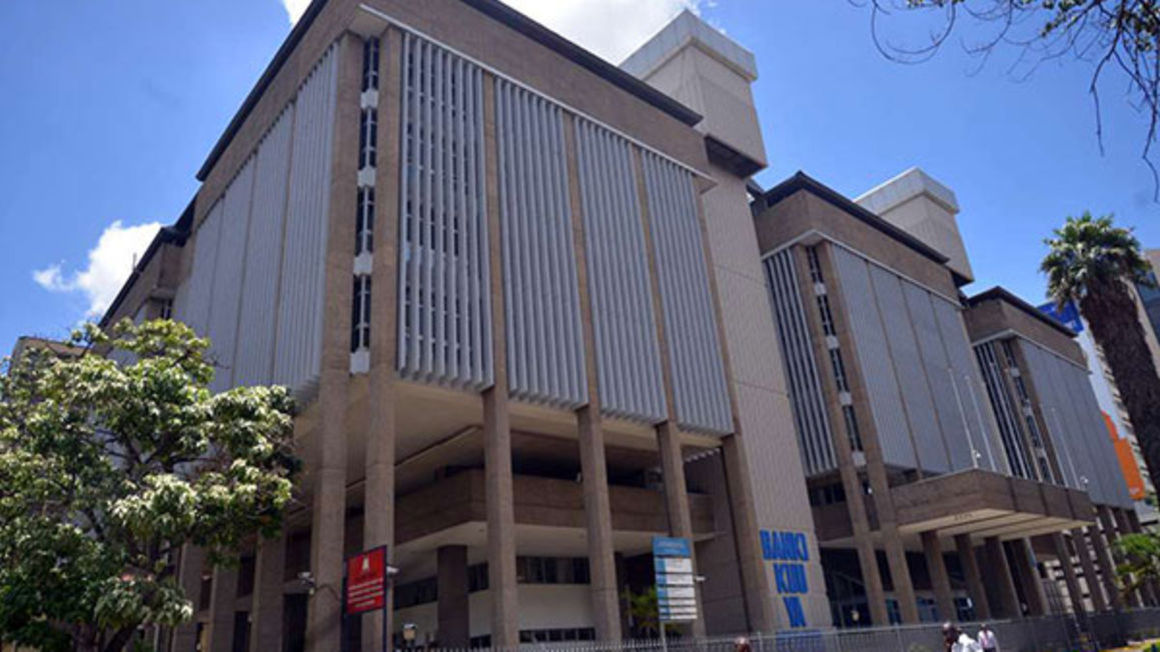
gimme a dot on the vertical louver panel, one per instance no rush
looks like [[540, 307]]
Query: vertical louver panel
[[444, 282], [254, 358], [196, 296], [968, 387], [874, 357], [1006, 410], [624, 324], [951, 419], [545, 354], [908, 369], [801, 370], [698, 372], [227, 279], [298, 354]]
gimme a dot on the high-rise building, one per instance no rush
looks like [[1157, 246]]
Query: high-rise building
[[918, 433], [533, 322], [494, 270]]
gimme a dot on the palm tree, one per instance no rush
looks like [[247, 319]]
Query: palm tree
[[1091, 262]]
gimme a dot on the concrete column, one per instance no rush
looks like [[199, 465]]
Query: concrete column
[[677, 499], [758, 598], [974, 578], [936, 566], [1063, 553], [328, 475], [379, 488], [875, 466], [1028, 576], [1137, 598], [501, 521], [454, 617], [1090, 576], [1106, 565], [593, 465], [1004, 583], [222, 607], [851, 481], [268, 601], [598, 516], [189, 570]]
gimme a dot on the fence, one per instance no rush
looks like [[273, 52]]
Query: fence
[[1057, 633]]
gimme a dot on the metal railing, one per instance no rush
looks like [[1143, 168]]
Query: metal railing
[[1056, 633]]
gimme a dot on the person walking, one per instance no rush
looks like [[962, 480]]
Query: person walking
[[987, 639], [956, 640]]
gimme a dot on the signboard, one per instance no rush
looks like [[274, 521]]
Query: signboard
[[676, 584], [1068, 315], [366, 581]]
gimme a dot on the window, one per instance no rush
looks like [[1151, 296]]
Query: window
[[815, 265], [360, 314], [852, 432], [839, 370], [559, 634], [365, 222], [552, 570], [370, 71], [166, 311], [416, 593], [477, 579], [368, 131], [826, 316]]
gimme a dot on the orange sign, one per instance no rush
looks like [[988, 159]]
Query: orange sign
[[1127, 461], [366, 581]]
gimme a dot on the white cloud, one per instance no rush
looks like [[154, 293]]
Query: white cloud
[[110, 263], [295, 9], [612, 29]]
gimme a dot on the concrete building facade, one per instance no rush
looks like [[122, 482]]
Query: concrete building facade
[[493, 270], [925, 449], [532, 322]]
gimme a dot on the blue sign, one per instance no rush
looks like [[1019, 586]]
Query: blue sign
[[1068, 315], [671, 547]]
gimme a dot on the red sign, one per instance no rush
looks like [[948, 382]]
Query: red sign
[[366, 581]]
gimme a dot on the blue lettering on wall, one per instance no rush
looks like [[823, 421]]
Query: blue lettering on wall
[[789, 578], [793, 607]]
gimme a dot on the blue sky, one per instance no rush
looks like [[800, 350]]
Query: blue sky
[[108, 108]]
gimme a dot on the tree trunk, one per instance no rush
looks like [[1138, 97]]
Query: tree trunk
[[1111, 312]]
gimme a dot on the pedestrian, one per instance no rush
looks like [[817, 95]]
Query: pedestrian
[[956, 640], [987, 639], [741, 644]]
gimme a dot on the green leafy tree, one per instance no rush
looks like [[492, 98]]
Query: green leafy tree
[[1139, 560], [1090, 261], [644, 611], [107, 469]]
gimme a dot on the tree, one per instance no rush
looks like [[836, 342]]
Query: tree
[[1091, 262], [107, 469], [1139, 560], [1123, 35], [644, 612]]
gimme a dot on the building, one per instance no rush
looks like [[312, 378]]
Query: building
[[482, 259], [1053, 430], [532, 322], [911, 449]]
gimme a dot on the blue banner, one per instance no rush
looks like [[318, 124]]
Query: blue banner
[[671, 547], [1068, 315]]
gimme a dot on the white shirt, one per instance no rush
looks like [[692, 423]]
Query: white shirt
[[987, 639], [966, 644]]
